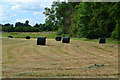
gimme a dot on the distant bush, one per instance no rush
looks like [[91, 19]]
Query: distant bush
[[20, 29]]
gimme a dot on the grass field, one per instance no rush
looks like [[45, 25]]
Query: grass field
[[31, 34], [23, 58], [51, 35]]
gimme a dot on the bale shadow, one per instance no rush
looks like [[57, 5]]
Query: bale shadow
[[46, 45]]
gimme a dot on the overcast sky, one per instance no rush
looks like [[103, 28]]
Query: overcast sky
[[12, 11]]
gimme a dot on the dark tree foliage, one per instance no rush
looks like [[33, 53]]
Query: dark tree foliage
[[26, 24], [23, 27], [91, 20], [36, 25], [19, 24], [7, 25]]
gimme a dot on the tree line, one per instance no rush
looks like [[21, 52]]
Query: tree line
[[25, 27], [77, 19], [85, 19]]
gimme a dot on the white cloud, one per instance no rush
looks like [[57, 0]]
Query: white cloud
[[28, 7], [35, 8], [37, 13], [5, 15], [22, 20], [11, 10], [16, 7]]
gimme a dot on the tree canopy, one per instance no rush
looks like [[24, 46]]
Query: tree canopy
[[86, 19]]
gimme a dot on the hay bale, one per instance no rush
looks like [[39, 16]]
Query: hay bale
[[41, 41], [66, 40], [102, 40], [27, 37], [10, 36], [58, 38]]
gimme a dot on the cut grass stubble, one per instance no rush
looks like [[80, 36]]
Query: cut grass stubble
[[23, 58]]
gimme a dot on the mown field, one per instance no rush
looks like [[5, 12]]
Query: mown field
[[22, 58]]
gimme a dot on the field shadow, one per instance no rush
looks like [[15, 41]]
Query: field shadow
[[46, 45]]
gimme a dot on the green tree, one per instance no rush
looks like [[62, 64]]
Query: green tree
[[18, 24], [114, 11], [26, 24], [36, 25]]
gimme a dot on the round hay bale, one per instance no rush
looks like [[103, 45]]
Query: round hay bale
[[41, 41], [66, 40], [58, 38], [102, 40], [27, 37], [10, 36]]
